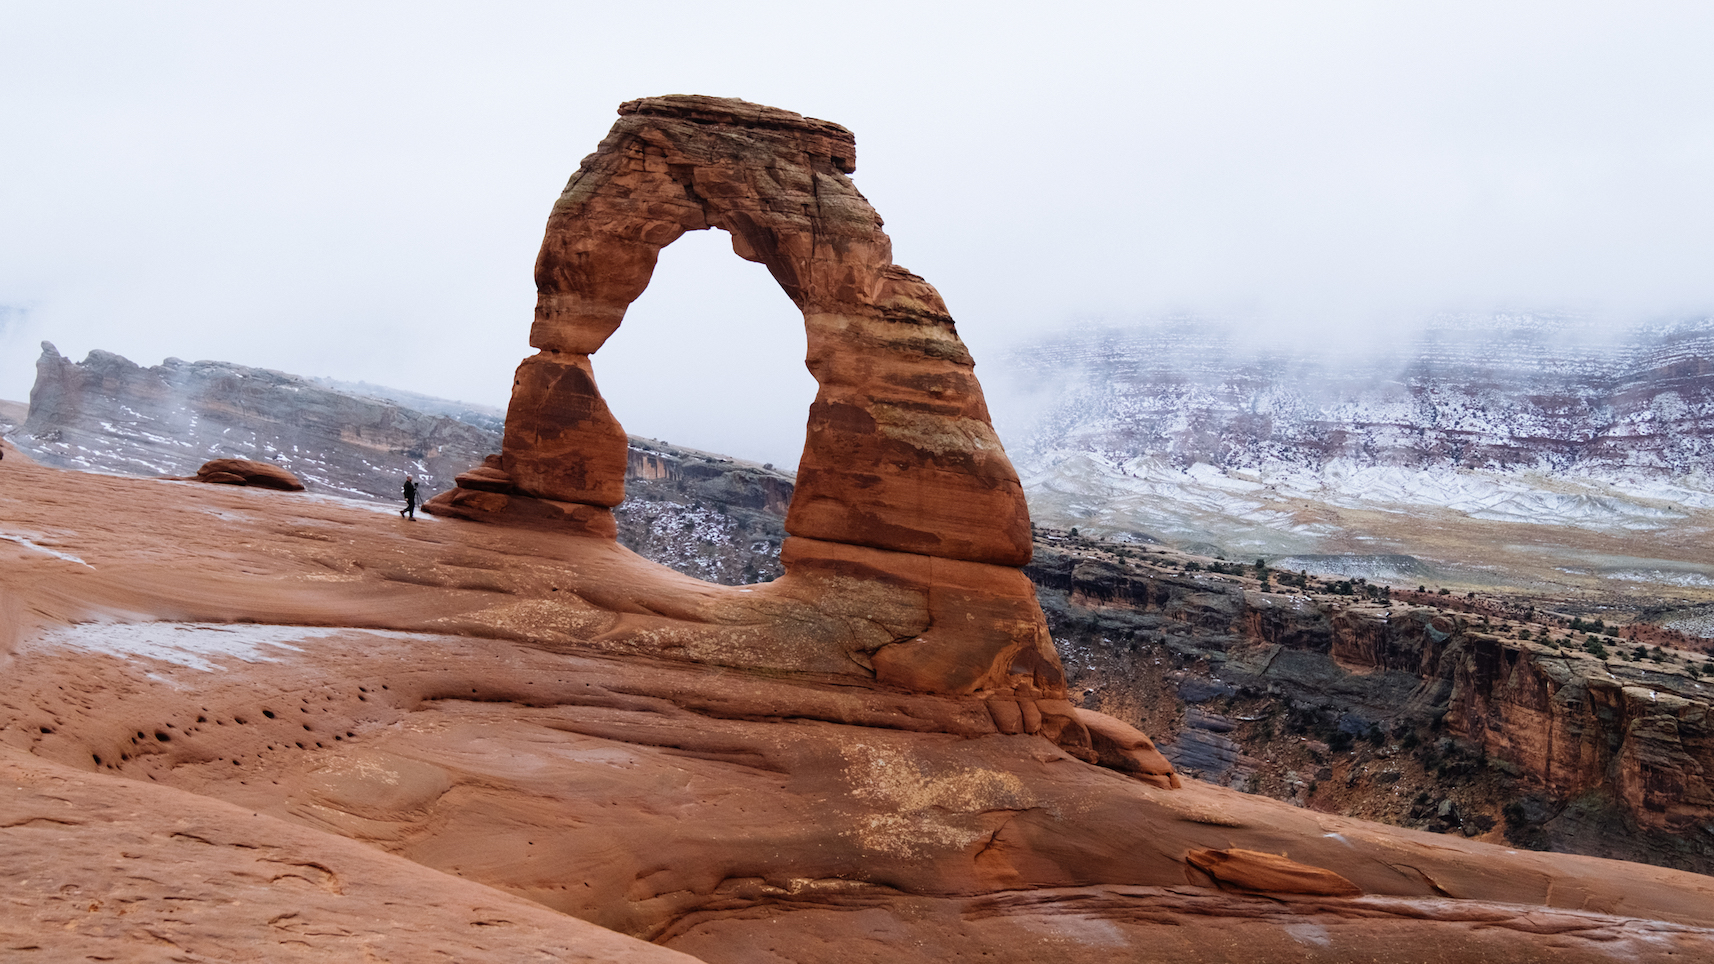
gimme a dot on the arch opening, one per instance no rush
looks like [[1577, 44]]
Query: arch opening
[[706, 373], [711, 356]]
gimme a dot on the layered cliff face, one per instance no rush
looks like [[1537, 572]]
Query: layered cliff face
[[1555, 746], [109, 414], [904, 496], [703, 514]]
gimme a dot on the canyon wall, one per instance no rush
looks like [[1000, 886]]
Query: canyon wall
[[1574, 735]]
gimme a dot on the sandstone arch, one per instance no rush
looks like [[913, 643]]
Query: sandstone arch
[[899, 452], [908, 524]]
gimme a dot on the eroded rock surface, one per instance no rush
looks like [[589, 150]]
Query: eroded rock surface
[[904, 500], [124, 870]]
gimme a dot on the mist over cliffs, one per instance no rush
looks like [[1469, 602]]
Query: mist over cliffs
[[1197, 434], [1497, 393]]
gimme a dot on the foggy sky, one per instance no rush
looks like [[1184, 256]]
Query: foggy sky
[[359, 190]]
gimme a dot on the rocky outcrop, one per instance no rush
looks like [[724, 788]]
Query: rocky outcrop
[[1637, 731], [904, 496], [247, 472]]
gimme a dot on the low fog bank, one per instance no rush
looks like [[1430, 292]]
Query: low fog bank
[[1512, 350]]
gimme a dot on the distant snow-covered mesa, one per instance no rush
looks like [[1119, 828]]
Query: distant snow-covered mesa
[[1183, 432]]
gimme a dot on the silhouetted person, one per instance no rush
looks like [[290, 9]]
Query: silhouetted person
[[410, 509]]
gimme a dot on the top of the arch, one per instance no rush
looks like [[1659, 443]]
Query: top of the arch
[[822, 138]]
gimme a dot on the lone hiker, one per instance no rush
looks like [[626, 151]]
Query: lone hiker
[[410, 509]]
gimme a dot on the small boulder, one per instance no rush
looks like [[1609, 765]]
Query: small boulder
[[246, 472], [1252, 872], [1120, 746]]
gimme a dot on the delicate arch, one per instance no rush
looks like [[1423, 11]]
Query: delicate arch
[[908, 525], [899, 452]]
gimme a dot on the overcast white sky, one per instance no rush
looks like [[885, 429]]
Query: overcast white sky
[[358, 190]]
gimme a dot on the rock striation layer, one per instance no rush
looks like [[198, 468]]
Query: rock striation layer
[[904, 497]]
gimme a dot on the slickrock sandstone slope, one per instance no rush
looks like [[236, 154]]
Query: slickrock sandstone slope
[[12, 415], [100, 869], [552, 717], [902, 482]]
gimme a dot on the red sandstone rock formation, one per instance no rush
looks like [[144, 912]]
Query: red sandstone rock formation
[[247, 472], [905, 499], [98, 869]]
